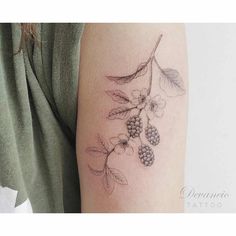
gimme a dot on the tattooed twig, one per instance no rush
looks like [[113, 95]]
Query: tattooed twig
[[131, 109], [156, 46]]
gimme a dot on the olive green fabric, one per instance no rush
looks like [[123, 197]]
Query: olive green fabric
[[38, 107]]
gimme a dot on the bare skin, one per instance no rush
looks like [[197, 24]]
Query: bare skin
[[142, 69]]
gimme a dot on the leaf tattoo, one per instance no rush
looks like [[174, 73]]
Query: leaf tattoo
[[117, 176], [140, 71], [104, 145], [96, 172], [171, 82], [118, 96], [108, 183], [95, 151], [145, 107], [119, 113]]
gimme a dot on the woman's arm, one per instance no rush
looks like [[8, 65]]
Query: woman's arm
[[132, 117]]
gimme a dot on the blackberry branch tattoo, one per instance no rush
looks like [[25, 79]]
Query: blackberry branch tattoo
[[141, 107]]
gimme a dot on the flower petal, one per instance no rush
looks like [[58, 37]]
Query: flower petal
[[135, 101], [147, 108], [148, 98], [141, 105], [150, 114], [129, 150], [123, 137], [135, 93], [156, 97], [132, 142], [144, 92], [119, 149], [114, 140], [159, 113], [161, 103]]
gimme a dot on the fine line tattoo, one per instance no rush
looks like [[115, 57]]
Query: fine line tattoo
[[135, 109]]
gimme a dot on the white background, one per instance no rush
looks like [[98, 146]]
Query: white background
[[211, 149]]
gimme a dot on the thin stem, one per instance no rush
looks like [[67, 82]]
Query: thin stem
[[151, 58], [141, 142], [106, 160], [141, 109], [154, 50], [158, 65], [150, 79], [148, 119], [131, 108], [156, 46], [139, 112], [110, 152]]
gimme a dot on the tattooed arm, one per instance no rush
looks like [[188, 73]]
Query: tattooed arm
[[132, 117]]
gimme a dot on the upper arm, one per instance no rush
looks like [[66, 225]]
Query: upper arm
[[145, 173]]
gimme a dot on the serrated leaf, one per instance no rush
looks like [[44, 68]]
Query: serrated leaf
[[95, 151], [119, 113], [108, 183], [141, 70], [171, 82], [118, 96], [117, 176], [96, 172]]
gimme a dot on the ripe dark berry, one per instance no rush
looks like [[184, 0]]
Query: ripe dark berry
[[152, 135], [134, 126], [146, 155]]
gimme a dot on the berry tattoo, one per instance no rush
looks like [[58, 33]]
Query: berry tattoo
[[152, 135], [137, 111], [146, 155], [134, 126]]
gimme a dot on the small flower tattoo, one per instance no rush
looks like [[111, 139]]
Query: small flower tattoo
[[155, 107], [122, 144]]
